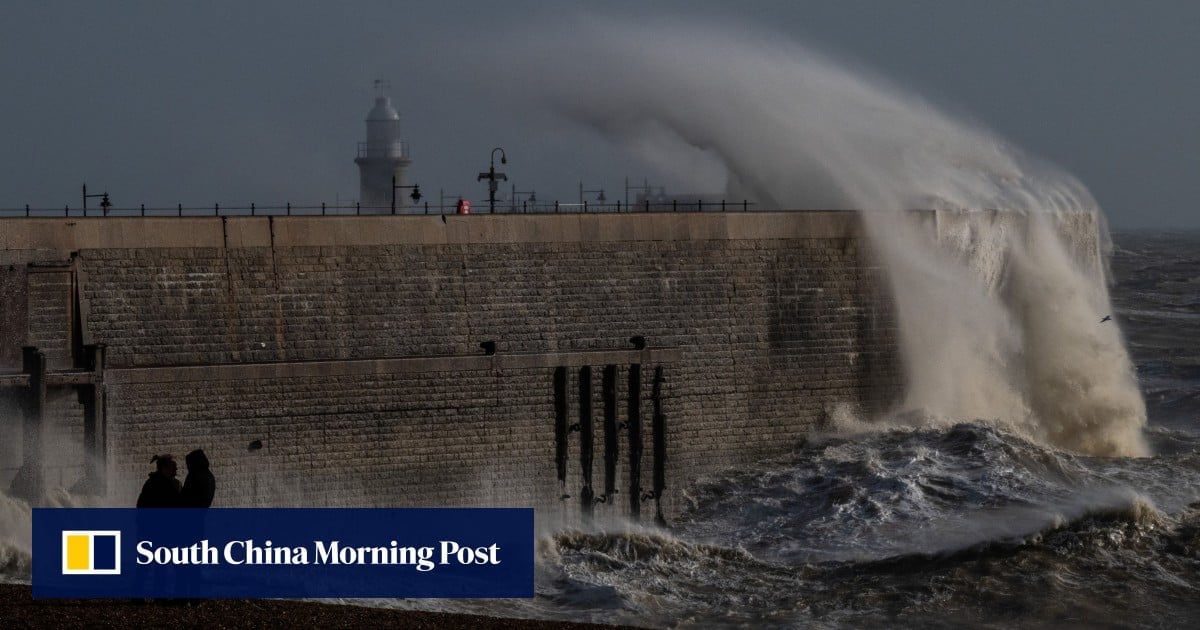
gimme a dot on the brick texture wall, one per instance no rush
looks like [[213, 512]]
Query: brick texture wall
[[50, 304], [772, 333], [771, 330]]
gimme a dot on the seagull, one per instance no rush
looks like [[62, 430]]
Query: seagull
[[1106, 318]]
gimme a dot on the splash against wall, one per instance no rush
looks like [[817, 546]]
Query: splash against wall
[[1000, 316]]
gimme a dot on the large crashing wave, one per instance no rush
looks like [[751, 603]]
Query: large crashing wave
[[999, 313]]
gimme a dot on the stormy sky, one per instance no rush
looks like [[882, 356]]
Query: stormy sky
[[232, 103]]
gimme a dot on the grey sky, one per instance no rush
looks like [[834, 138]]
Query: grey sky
[[209, 102]]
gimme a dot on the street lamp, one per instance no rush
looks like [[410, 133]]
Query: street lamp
[[492, 176], [645, 188], [599, 198], [105, 204], [515, 192], [416, 193]]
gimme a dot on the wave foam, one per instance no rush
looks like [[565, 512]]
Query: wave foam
[[999, 313]]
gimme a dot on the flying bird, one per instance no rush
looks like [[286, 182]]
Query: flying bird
[[1106, 318]]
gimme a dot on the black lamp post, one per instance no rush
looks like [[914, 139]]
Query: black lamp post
[[416, 193], [492, 176], [532, 196], [105, 204], [645, 188], [599, 197]]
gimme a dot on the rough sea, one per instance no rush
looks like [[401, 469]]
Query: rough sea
[[959, 526]]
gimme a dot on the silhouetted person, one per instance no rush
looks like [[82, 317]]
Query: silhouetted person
[[200, 485], [161, 490]]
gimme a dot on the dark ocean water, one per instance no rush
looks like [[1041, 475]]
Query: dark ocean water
[[964, 525]]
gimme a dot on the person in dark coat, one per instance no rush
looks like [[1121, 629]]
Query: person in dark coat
[[161, 490], [200, 485]]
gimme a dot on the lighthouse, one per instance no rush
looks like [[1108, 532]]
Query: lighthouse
[[382, 157]]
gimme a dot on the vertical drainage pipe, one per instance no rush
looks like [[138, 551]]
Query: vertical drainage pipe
[[560, 424], [587, 495], [611, 447], [635, 441]]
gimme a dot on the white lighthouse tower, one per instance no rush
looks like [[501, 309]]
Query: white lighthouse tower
[[382, 157]]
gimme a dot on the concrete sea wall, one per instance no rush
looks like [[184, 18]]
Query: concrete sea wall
[[351, 348]]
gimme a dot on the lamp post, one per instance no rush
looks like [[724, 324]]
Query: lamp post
[[416, 193], [492, 176], [515, 192], [105, 204], [599, 197], [645, 188]]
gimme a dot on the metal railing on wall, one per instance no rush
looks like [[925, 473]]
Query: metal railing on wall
[[288, 209]]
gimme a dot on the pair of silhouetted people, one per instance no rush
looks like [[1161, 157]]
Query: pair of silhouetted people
[[162, 489]]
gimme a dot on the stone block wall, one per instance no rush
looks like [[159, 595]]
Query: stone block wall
[[773, 320], [51, 312], [440, 438]]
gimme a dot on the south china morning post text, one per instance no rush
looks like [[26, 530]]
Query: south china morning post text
[[239, 552], [278, 552]]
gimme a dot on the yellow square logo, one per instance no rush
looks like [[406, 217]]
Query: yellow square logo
[[91, 552]]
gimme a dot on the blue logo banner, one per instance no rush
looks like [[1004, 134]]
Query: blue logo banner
[[278, 552]]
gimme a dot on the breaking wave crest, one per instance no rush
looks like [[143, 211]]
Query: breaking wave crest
[[999, 312]]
